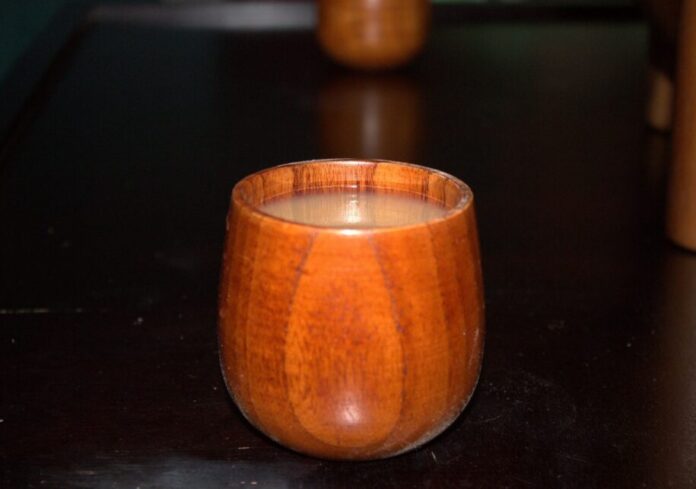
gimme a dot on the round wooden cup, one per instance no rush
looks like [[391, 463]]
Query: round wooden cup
[[373, 34], [351, 343]]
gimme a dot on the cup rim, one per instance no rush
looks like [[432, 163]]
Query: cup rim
[[465, 200]]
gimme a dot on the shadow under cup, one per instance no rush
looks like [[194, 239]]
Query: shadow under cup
[[351, 343]]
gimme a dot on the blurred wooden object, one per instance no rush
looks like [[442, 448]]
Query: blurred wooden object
[[663, 16], [660, 107], [681, 197], [373, 34]]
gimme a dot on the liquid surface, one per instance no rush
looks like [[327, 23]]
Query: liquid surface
[[352, 208]]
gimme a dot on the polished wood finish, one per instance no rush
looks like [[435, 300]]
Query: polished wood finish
[[373, 34], [351, 344], [681, 201]]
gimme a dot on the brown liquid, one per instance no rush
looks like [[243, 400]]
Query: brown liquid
[[353, 208]]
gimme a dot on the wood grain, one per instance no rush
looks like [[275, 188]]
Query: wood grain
[[373, 34], [351, 344]]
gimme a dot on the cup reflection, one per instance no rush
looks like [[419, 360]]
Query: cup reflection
[[371, 116]]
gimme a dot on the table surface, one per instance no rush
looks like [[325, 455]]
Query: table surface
[[113, 194]]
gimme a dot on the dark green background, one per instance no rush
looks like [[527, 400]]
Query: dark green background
[[22, 20]]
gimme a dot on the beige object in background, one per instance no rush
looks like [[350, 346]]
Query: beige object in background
[[660, 108]]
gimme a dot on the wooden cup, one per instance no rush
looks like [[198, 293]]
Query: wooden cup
[[351, 343], [373, 34]]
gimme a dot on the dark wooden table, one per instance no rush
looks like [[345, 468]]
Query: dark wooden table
[[116, 169]]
